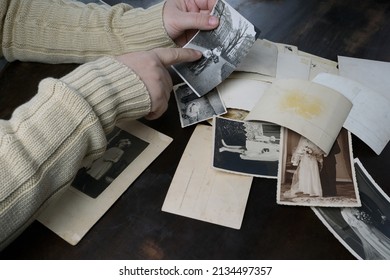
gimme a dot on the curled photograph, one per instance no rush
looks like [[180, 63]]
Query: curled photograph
[[223, 49], [365, 230]]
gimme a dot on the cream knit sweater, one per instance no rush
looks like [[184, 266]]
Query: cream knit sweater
[[46, 140]]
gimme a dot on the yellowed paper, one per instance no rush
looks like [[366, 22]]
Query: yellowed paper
[[200, 192], [312, 110]]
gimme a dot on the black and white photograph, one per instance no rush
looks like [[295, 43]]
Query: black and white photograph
[[365, 230], [122, 149], [131, 148], [310, 177], [194, 109], [223, 49], [246, 147]]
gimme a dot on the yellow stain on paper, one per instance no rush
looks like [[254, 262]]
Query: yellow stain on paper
[[302, 104]]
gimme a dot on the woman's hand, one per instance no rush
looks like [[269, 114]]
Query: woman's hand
[[183, 18], [151, 67]]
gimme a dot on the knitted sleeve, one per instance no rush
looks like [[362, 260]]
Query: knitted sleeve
[[62, 31], [44, 143]]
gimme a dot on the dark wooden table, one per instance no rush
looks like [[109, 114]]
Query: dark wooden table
[[136, 228]]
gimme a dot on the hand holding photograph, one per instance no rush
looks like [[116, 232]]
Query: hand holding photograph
[[223, 49]]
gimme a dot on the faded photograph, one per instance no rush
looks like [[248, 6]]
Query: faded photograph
[[122, 149], [365, 230], [308, 176], [250, 148], [194, 109], [223, 49]]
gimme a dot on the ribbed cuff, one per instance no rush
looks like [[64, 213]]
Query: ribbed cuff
[[113, 91], [145, 28]]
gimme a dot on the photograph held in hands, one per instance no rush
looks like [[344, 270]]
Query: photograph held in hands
[[223, 49]]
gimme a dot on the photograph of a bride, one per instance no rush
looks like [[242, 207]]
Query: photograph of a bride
[[307, 176], [365, 230]]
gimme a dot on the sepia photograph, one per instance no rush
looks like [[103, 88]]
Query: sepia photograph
[[132, 146], [309, 177], [365, 230], [250, 148], [194, 109], [223, 49], [122, 149]]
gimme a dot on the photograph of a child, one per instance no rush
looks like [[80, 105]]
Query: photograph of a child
[[310, 177], [194, 109], [122, 149]]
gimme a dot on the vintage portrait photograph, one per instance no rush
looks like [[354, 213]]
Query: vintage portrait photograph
[[250, 148], [223, 49], [365, 230], [132, 146], [194, 109], [309, 177], [122, 149]]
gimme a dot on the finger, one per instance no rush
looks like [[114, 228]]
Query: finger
[[170, 56], [202, 21], [201, 4]]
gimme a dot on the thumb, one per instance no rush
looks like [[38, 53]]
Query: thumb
[[170, 56]]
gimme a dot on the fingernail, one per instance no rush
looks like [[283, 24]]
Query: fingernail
[[213, 20]]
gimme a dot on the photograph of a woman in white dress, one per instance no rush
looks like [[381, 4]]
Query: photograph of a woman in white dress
[[306, 179], [304, 166], [376, 245], [365, 230]]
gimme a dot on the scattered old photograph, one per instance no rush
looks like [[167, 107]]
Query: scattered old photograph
[[309, 177], [250, 148], [122, 149], [223, 49], [132, 147], [365, 230], [194, 109]]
